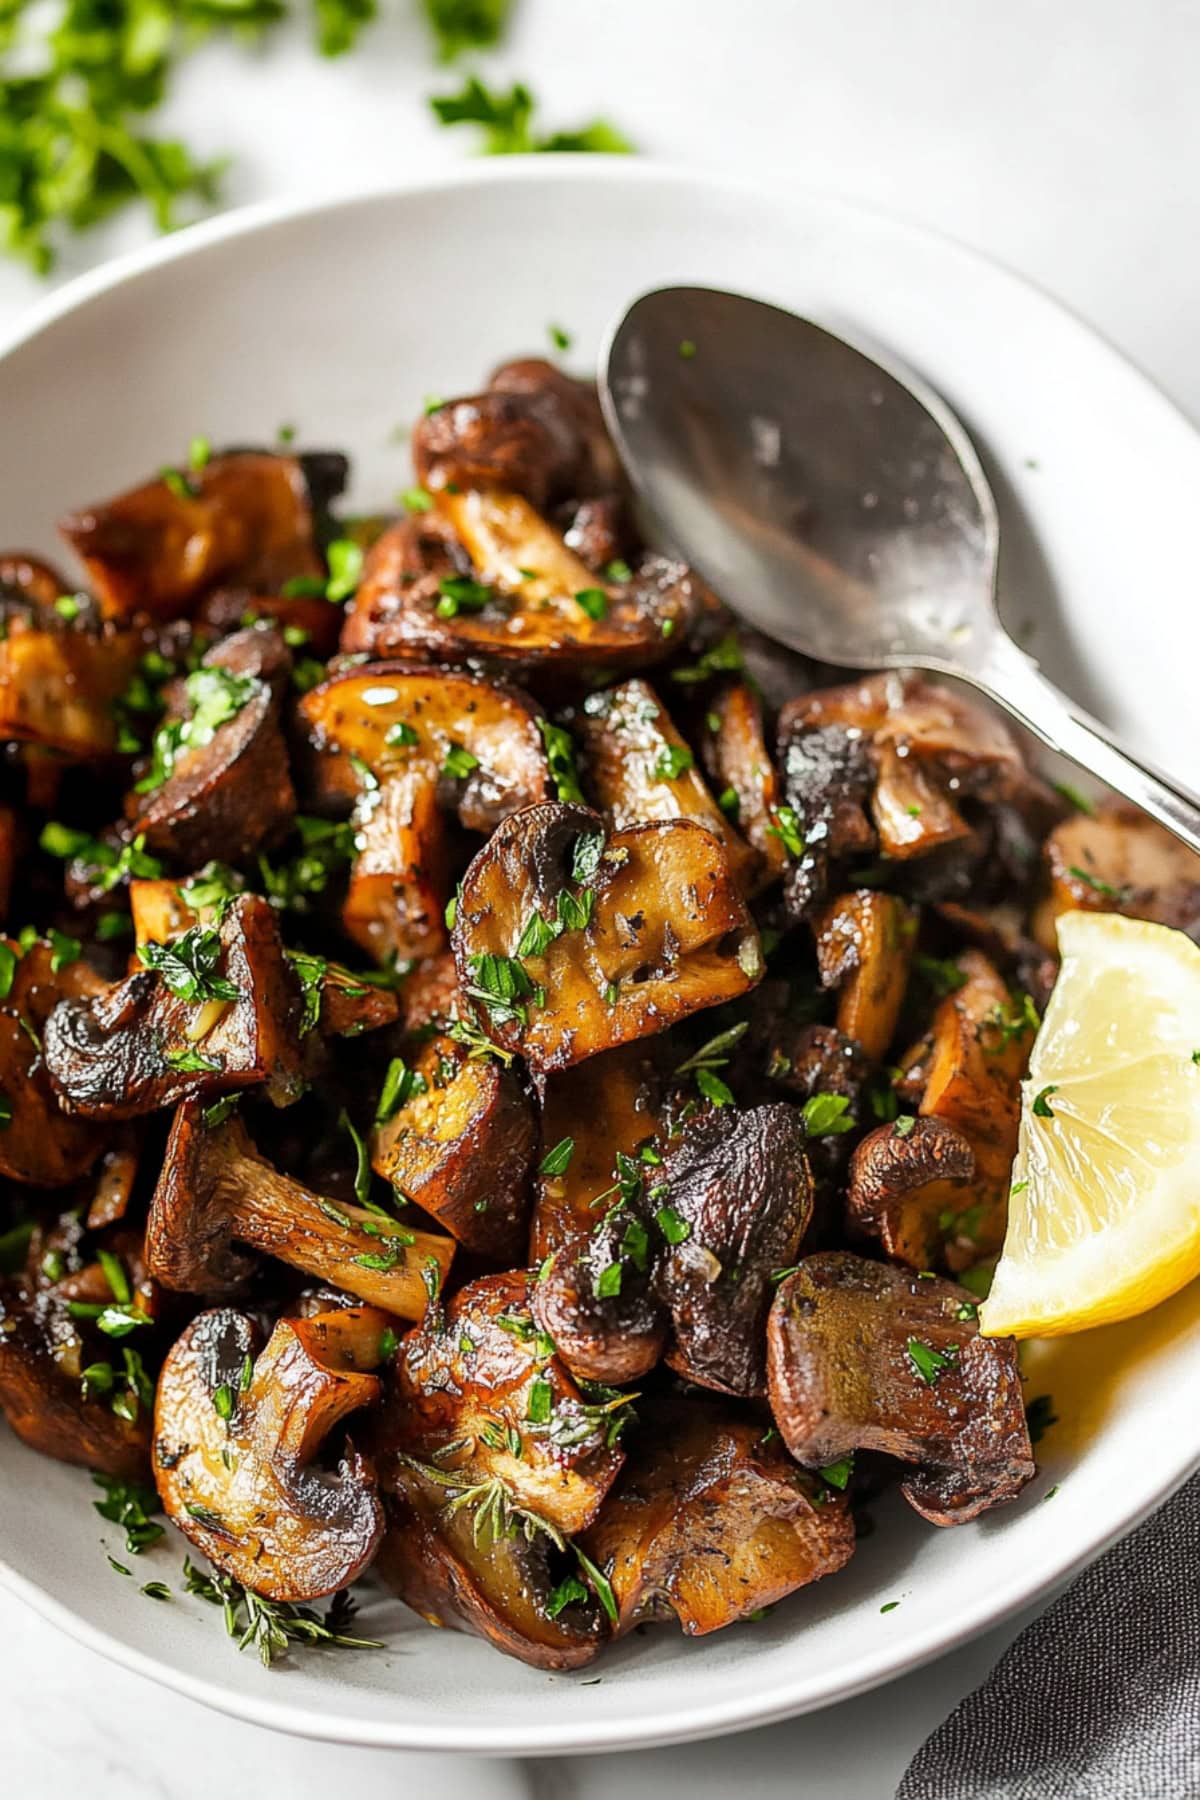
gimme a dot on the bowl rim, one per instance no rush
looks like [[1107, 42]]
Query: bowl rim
[[976, 1613]]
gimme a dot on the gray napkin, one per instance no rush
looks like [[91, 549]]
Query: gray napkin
[[1100, 1698]]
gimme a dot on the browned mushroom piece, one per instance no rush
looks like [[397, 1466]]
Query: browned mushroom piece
[[484, 1408], [238, 1436], [806, 1060], [595, 1298], [865, 943], [517, 601], [244, 519], [46, 1400], [739, 765], [113, 1178], [865, 1356], [492, 1577], [349, 1006], [218, 784], [59, 684], [738, 1198], [568, 942], [430, 995], [969, 1073], [430, 740], [215, 1011], [534, 430], [216, 1192], [909, 1183], [711, 1521], [607, 1105], [900, 745], [39, 1144], [1118, 861], [460, 1146], [639, 768]]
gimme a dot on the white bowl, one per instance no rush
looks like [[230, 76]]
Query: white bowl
[[340, 318]]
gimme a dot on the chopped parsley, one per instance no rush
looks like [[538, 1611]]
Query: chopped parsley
[[558, 1160], [929, 1363], [827, 1115], [400, 1085], [785, 826], [1041, 1101], [592, 601], [560, 754], [186, 965], [673, 761], [215, 696]]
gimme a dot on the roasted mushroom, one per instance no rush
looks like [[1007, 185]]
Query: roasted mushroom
[[909, 1185], [244, 519], [1118, 860], [639, 768], [484, 1408], [238, 1433], [710, 1521], [527, 599], [600, 1108], [866, 1357], [218, 783], [568, 942], [737, 1198], [900, 746], [59, 685], [215, 1010], [428, 739], [865, 943], [969, 1074], [38, 1143], [595, 1297], [460, 1146], [493, 1578], [216, 1191], [740, 768], [47, 1400]]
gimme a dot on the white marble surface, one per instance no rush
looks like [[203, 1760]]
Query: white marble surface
[[1062, 138]]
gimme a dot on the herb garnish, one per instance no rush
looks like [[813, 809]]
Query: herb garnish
[[186, 965]]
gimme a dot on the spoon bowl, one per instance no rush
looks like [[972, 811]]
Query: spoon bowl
[[838, 504]]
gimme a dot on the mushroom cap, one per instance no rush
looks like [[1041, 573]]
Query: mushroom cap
[[900, 1183], [741, 1183]]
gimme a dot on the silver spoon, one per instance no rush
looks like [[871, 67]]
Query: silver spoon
[[843, 504]]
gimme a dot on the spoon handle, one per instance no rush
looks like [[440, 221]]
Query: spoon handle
[[1015, 681]]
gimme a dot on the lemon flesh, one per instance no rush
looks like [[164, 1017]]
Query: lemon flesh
[[1104, 1217]]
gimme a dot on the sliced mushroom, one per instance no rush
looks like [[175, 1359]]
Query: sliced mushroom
[[739, 1192], [862, 1356], [711, 1521], [491, 1579], [308, 620], [827, 780], [219, 785], [244, 519], [807, 1060], [1118, 861], [461, 1148], [639, 768], [395, 606], [219, 1010], [518, 603], [238, 1433], [644, 928], [865, 944], [216, 1191], [59, 685], [908, 1182], [484, 1408], [39, 1145], [44, 1398], [740, 768], [430, 738], [607, 1105]]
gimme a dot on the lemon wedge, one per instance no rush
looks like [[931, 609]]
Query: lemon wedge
[[1104, 1216]]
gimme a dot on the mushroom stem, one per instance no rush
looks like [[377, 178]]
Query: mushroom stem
[[350, 1247]]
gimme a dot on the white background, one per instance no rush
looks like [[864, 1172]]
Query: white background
[[1061, 136]]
